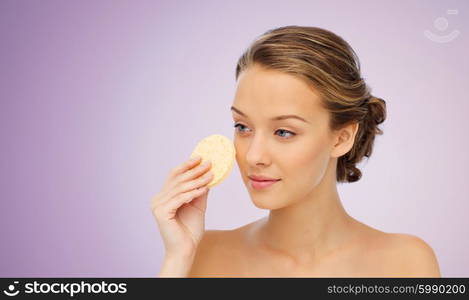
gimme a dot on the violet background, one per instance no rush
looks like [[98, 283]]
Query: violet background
[[100, 99]]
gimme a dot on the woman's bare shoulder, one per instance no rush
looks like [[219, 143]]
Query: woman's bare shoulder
[[214, 252], [404, 255], [417, 257], [219, 251]]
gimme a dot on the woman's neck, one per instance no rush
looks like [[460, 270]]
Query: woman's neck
[[309, 229]]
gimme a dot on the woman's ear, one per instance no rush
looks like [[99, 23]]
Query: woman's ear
[[343, 139]]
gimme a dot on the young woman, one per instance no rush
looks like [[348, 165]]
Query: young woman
[[304, 117]]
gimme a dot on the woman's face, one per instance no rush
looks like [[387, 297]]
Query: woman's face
[[296, 152]]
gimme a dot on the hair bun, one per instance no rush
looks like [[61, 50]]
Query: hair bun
[[376, 110]]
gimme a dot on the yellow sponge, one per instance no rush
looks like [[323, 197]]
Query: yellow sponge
[[221, 152]]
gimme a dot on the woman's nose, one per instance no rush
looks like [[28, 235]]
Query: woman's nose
[[257, 152]]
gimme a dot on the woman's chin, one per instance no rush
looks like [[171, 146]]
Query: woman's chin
[[265, 204]]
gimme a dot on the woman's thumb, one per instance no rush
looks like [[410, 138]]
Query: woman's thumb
[[201, 201]]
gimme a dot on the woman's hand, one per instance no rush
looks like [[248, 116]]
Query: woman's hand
[[179, 208]]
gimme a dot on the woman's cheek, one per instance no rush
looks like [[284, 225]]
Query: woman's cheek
[[240, 152], [312, 165]]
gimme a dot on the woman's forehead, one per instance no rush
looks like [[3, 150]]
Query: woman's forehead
[[277, 92], [256, 79]]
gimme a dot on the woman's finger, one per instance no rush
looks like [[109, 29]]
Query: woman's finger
[[168, 209], [187, 165], [190, 185], [193, 173]]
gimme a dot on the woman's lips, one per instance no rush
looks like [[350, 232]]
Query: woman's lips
[[258, 185]]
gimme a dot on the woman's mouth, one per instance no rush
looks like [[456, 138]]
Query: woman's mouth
[[261, 184]]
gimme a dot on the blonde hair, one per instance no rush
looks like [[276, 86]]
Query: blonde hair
[[331, 66]]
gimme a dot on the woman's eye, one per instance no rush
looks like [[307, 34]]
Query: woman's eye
[[237, 125], [283, 130]]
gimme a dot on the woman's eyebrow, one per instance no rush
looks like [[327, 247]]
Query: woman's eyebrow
[[282, 117]]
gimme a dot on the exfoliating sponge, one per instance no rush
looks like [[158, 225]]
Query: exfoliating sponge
[[221, 152]]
